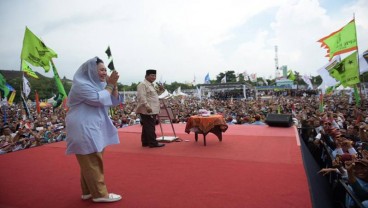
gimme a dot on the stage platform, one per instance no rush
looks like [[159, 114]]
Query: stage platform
[[253, 166]]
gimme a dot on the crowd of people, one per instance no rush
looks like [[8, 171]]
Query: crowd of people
[[336, 135], [19, 131], [337, 128]]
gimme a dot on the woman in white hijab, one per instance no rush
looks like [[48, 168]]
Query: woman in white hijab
[[89, 128]]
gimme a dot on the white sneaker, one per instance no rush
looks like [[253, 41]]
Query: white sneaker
[[111, 198], [87, 196]]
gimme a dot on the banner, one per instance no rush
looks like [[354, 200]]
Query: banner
[[253, 77], [35, 52], [108, 52], [177, 92], [329, 90], [11, 98], [111, 65], [25, 106], [363, 62], [10, 87], [163, 95], [199, 93], [346, 71], [62, 94], [3, 87], [223, 80], [207, 79], [308, 81], [327, 80], [109, 56], [246, 76], [340, 41], [28, 70], [26, 87], [291, 75]]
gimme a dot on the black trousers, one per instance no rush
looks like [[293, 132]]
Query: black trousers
[[148, 136]]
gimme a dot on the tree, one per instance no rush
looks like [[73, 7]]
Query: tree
[[173, 86], [230, 76], [242, 78], [132, 87]]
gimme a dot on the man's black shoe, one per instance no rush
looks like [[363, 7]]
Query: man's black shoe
[[157, 145], [145, 145]]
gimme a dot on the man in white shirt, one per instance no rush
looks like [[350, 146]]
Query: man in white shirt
[[148, 107]]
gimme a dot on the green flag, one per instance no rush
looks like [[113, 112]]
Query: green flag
[[62, 94], [331, 89], [347, 71], [35, 52], [111, 65], [340, 41], [28, 70], [291, 75], [3, 87], [108, 52]]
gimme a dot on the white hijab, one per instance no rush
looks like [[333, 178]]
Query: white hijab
[[85, 81]]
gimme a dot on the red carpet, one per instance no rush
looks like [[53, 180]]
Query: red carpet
[[254, 166]]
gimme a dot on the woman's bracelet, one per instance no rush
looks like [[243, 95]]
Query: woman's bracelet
[[110, 87]]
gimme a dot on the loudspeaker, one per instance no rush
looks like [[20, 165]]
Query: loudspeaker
[[279, 120]]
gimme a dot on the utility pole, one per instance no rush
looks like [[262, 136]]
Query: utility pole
[[276, 63]]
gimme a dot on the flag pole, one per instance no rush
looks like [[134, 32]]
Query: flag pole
[[21, 82], [360, 83], [20, 68]]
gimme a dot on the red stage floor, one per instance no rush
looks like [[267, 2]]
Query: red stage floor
[[254, 166]]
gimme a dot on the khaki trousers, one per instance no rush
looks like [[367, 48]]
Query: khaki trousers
[[92, 174]]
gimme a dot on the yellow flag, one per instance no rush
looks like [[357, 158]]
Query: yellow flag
[[35, 52], [11, 98], [28, 70], [291, 75], [340, 41]]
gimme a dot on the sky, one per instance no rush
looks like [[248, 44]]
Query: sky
[[182, 39]]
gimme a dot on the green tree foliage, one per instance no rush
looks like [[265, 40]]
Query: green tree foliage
[[241, 78], [230, 77], [132, 87]]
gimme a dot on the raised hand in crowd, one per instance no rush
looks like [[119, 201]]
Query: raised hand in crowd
[[326, 171]]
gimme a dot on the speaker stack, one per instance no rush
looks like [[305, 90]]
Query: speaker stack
[[279, 120]]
